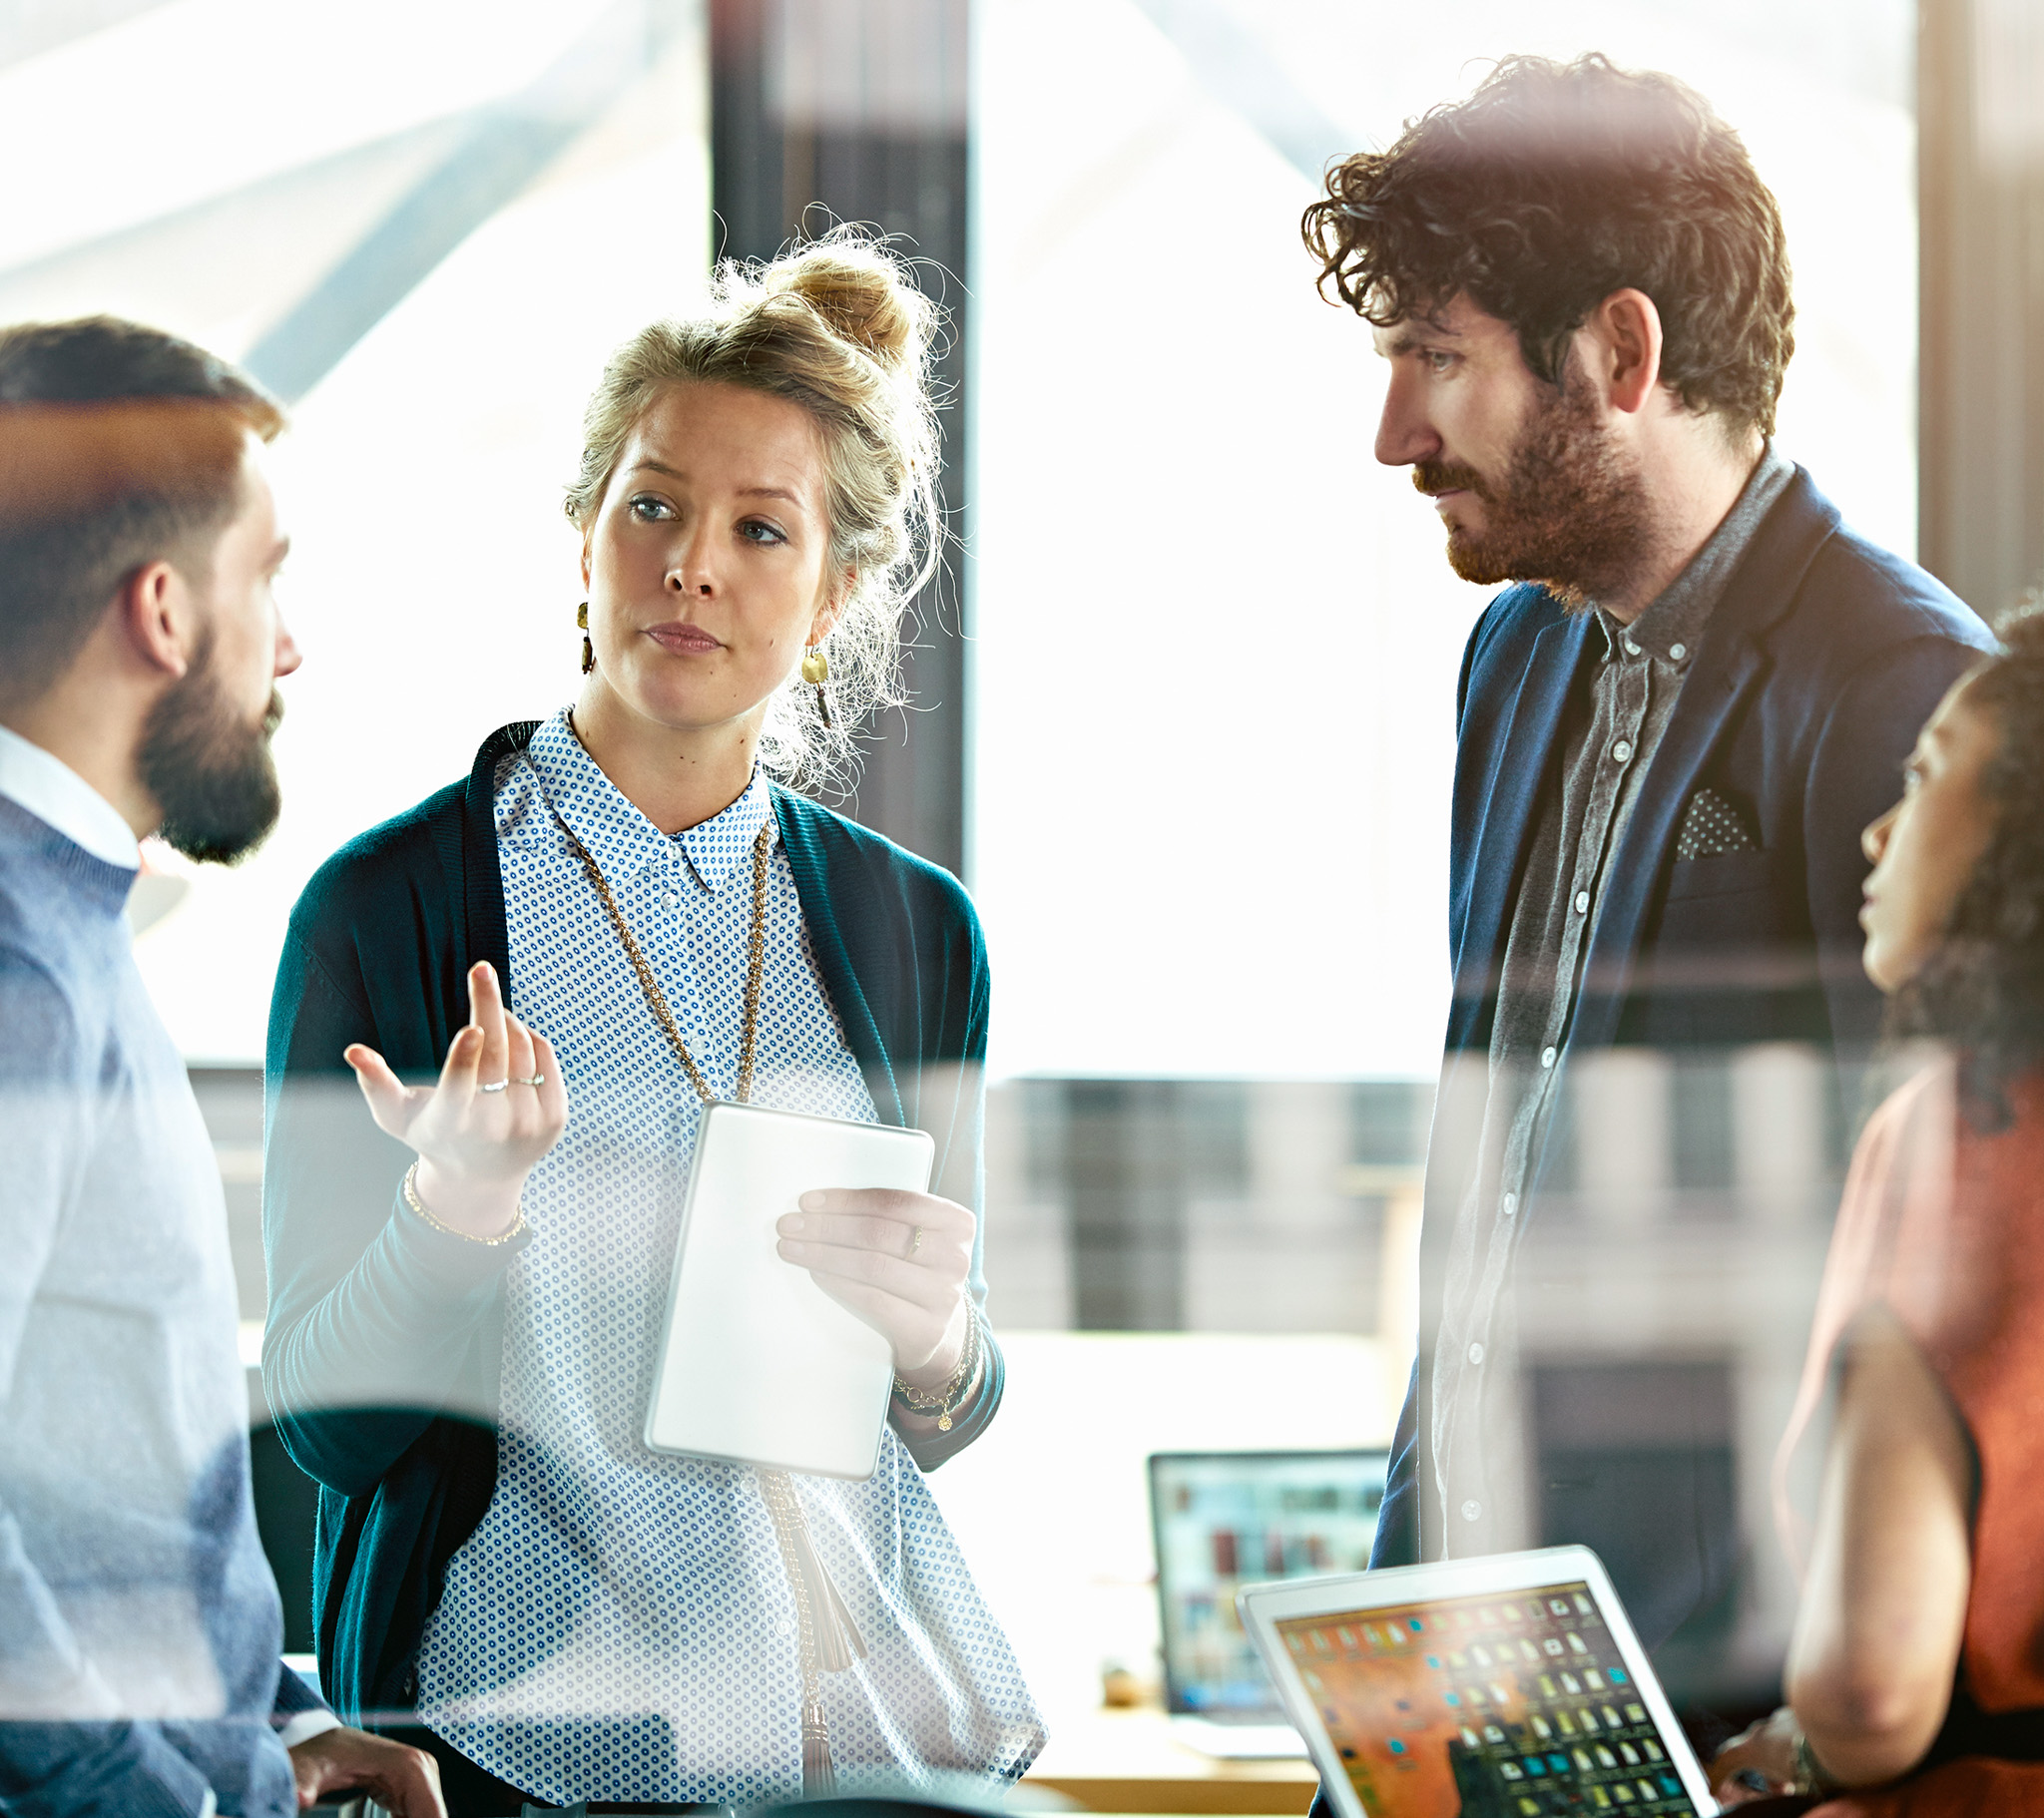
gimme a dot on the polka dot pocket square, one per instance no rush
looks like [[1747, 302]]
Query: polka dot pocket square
[[1711, 828]]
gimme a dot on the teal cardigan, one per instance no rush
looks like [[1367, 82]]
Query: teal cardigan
[[381, 1354]]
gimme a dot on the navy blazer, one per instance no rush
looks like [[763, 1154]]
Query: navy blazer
[[1805, 692], [378, 951]]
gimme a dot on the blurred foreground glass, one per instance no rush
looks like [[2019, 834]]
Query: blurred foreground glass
[[1214, 659], [426, 226]]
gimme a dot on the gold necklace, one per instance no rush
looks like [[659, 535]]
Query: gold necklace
[[827, 1638], [755, 965]]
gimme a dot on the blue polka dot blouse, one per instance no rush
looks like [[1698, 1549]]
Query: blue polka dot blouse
[[620, 1626]]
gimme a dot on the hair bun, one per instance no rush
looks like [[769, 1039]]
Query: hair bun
[[862, 294]]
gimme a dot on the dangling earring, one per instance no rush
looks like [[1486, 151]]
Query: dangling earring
[[588, 654], [816, 671]]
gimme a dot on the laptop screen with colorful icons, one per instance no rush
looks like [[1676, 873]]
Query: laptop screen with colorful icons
[[1510, 1704], [1226, 1519]]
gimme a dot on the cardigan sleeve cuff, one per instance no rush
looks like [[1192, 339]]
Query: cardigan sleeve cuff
[[930, 1449]]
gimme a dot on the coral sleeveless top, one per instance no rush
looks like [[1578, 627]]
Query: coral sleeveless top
[[1946, 1226]]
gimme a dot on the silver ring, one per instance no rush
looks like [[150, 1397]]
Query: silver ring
[[537, 1079], [492, 1085], [914, 1242]]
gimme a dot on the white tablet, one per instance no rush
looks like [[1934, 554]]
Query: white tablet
[[757, 1365], [1511, 1685]]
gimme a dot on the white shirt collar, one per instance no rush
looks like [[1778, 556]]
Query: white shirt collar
[[53, 791]]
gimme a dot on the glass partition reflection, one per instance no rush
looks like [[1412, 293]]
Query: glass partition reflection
[[1213, 660]]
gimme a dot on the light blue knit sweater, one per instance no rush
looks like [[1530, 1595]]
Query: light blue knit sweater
[[139, 1621]]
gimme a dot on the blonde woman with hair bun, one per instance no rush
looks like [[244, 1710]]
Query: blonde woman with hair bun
[[537, 976]]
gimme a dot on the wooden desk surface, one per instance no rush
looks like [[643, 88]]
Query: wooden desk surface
[[1129, 1761]]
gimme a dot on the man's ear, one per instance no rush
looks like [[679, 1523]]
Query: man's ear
[[1626, 327], [159, 617]]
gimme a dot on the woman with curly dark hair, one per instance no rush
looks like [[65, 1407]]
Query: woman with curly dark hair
[[1916, 1678]]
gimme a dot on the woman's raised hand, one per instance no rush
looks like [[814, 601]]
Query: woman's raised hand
[[498, 1106], [900, 1261]]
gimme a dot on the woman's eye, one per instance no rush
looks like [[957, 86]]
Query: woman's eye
[[755, 530], [648, 510]]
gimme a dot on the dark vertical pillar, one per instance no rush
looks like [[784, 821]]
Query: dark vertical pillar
[[856, 110], [1126, 1192], [745, 147], [1137, 1153], [1981, 175]]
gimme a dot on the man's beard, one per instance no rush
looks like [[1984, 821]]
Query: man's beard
[[211, 776], [1568, 513]]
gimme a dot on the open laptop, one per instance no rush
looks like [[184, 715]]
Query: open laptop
[[1224, 1519], [1510, 1686]]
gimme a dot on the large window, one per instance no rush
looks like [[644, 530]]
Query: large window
[[1216, 641]]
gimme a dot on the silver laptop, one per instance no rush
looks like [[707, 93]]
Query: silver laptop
[[1223, 1519], [1510, 1686]]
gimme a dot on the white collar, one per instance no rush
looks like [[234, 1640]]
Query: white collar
[[50, 790]]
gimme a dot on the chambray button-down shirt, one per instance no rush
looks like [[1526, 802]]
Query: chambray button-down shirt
[[620, 1626], [1613, 731]]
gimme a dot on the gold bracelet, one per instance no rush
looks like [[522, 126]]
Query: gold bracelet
[[945, 1402], [413, 1200]]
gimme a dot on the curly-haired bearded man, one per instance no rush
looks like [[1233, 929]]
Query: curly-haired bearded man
[[1672, 725]]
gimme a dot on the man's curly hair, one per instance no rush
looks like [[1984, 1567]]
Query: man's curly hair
[[1982, 991], [1554, 184]]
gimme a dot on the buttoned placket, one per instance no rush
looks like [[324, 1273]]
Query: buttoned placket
[[690, 877], [1633, 695], [668, 888], [662, 885], [1622, 695]]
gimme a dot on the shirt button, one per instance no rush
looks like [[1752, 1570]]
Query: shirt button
[[668, 899], [1631, 648], [1547, 1057], [1622, 752], [783, 1628], [1471, 1509], [1476, 1354], [1582, 902], [1508, 1205], [1678, 650]]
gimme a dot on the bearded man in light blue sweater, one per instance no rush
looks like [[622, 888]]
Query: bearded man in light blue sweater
[[138, 650]]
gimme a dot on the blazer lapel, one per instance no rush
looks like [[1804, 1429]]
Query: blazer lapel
[[1710, 697], [1509, 790]]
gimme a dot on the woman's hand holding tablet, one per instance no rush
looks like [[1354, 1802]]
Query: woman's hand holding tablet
[[900, 1261], [497, 1108]]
